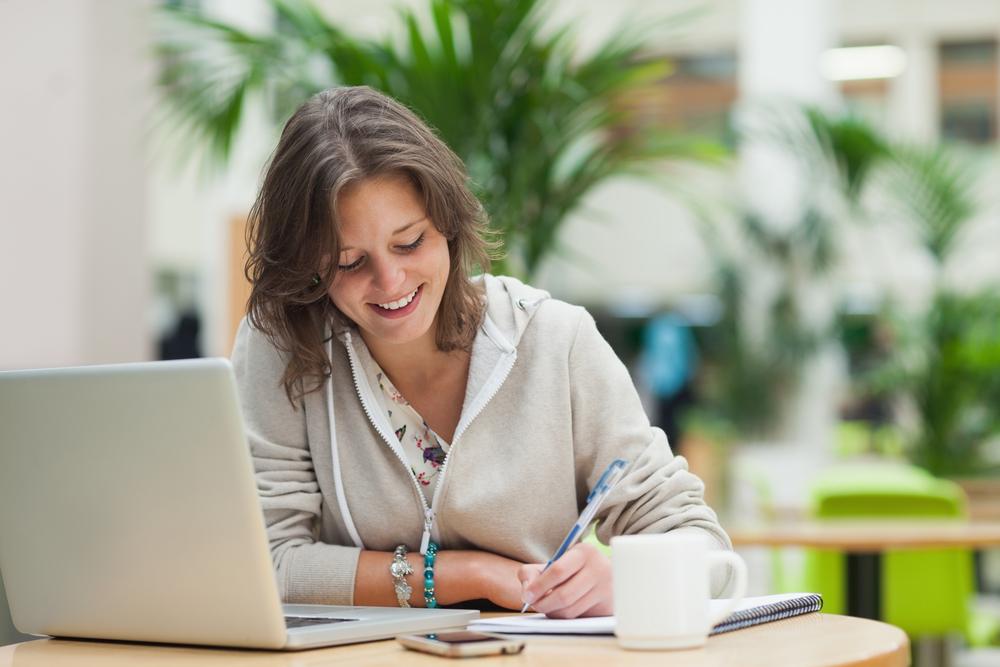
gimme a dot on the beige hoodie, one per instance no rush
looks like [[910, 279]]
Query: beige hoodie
[[548, 406]]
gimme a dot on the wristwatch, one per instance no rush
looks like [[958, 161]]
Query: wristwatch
[[399, 568]]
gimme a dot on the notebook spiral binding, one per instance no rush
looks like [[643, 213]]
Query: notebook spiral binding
[[770, 612]]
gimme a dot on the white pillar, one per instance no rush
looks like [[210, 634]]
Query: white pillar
[[913, 95], [781, 45], [74, 279], [781, 42]]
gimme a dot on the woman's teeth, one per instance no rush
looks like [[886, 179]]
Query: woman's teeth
[[396, 305]]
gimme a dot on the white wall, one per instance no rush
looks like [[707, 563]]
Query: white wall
[[73, 262], [634, 245]]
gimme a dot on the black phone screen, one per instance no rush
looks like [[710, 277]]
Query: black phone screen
[[459, 637]]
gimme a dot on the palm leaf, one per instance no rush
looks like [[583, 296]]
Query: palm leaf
[[537, 123], [934, 188]]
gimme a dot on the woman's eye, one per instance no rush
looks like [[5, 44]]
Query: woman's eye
[[413, 246], [350, 267]]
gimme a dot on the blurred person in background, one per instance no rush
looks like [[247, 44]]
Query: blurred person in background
[[667, 363]]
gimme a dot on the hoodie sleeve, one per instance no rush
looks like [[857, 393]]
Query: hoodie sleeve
[[657, 493], [308, 571]]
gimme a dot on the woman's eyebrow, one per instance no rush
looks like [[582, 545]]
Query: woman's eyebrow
[[409, 224], [398, 231]]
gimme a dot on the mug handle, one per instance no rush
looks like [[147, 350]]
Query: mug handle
[[717, 558]]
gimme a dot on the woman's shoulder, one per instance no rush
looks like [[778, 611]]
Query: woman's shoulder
[[256, 354], [521, 309]]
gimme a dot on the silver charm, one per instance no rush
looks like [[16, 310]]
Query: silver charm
[[399, 569]]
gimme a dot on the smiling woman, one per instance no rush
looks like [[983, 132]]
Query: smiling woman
[[398, 366], [348, 147]]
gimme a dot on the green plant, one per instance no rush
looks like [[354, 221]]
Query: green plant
[[538, 123], [752, 372], [943, 364], [946, 360], [946, 364]]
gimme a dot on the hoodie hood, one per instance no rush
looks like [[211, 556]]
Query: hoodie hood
[[510, 306]]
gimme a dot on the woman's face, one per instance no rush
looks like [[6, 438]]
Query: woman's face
[[393, 262]]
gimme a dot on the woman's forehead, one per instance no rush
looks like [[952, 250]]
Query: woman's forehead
[[378, 207]]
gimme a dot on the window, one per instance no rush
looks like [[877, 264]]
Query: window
[[695, 97], [969, 86]]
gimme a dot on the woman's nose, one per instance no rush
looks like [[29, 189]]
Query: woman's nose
[[388, 276]]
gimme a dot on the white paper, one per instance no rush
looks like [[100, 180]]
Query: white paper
[[596, 625]]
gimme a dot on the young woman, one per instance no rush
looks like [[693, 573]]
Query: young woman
[[422, 436]]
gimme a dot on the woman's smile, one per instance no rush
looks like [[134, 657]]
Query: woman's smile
[[399, 308]]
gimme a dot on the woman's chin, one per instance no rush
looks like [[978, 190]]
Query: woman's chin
[[396, 333]]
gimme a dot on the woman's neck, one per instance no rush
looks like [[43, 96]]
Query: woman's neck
[[415, 363]]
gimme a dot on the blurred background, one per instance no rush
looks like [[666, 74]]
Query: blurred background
[[784, 214]]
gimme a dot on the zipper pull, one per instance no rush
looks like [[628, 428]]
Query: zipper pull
[[428, 524]]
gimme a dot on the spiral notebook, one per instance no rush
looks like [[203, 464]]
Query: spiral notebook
[[751, 611]]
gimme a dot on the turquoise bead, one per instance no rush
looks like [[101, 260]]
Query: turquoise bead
[[429, 557]]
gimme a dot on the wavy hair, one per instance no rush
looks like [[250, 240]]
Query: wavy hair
[[337, 138]]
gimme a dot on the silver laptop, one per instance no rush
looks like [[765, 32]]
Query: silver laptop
[[129, 511]]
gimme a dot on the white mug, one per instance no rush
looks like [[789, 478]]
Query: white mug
[[661, 589]]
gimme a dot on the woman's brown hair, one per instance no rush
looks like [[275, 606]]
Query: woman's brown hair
[[337, 138]]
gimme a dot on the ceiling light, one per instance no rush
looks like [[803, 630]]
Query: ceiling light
[[863, 62]]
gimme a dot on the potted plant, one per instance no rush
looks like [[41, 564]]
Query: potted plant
[[754, 355], [944, 369], [538, 123]]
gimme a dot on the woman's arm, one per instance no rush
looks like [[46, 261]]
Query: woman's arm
[[458, 576], [657, 492], [656, 495], [307, 571]]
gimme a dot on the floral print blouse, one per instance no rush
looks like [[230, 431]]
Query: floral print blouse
[[425, 450]]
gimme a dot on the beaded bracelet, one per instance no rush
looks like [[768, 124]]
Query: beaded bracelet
[[429, 600]]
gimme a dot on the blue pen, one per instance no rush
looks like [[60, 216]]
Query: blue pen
[[596, 496]]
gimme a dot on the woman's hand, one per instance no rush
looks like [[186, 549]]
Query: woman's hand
[[578, 584], [497, 579]]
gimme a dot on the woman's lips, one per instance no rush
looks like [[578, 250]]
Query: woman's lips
[[399, 312]]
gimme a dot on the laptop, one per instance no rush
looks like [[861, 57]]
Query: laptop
[[129, 511]]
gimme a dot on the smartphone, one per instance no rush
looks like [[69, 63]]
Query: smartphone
[[462, 643]]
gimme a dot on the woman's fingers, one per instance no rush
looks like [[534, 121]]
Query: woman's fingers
[[561, 570], [565, 595], [526, 573], [591, 603], [577, 584]]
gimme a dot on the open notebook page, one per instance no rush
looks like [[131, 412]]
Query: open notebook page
[[751, 611]]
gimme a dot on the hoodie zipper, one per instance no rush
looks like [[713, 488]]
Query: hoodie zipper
[[486, 394], [492, 386], [394, 446]]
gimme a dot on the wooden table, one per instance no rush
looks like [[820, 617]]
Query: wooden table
[[810, 640], [863, 541], [870, 535]]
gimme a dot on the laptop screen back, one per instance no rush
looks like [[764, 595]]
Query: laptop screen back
[[128, 508]]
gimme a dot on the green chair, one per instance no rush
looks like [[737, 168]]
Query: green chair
[[924, 592]]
